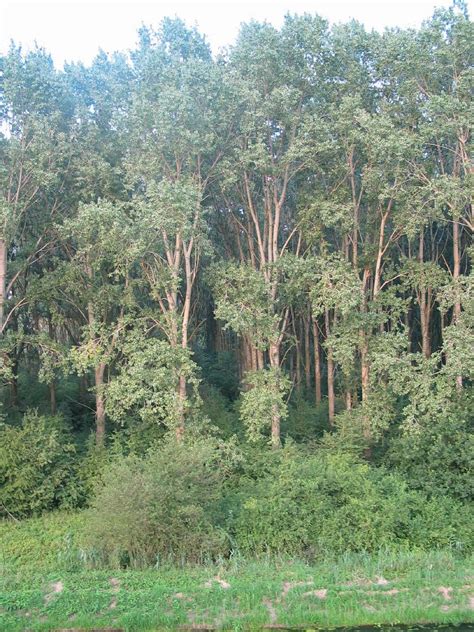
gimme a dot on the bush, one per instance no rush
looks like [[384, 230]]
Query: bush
[[439, 460], [311, 505], [306, 421], [44, 543], [37, 466], [167, 505]]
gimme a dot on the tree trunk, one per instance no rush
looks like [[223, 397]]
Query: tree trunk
[[298, 361], [99, 404], [307, 354], [425, 319], [182, 408], [317, 363], [424, 301], [348, 399], [52, 397], [330, 364], [456, 275], [274, 357], [3, 279]]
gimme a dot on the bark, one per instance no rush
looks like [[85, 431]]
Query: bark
[[182, 408], [364, 347], [52, 397], [99, 372], [424, 301], [297, 356], [456, 275], [307, 353], [3, 278], [99, 404], [380, 253], [330, 365], [274, 357], [348, 399], [317, 363]]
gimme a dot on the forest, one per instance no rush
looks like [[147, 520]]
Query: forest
[[237, 299]]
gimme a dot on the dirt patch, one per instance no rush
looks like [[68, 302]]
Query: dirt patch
[[272, 613], [445, 592], [359, 582], [181, 597], [55, 589], [390, 593], [218, 580], [115, 583], [381, 581], [287, 586], [471, 602], [319, 594]]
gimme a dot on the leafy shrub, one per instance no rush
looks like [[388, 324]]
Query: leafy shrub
[[164, 506], [37, 466], [220, 411], [44, 542], [306, 421], [313, 504], [439, 460]]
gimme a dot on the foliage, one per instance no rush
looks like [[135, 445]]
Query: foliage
[[440, 459], [41, 543], [164, 506], [146, 386], [265, 397], [37, 466], [274, 241], [312, 504]]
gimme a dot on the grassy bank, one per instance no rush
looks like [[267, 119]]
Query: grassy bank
[[44, 586]]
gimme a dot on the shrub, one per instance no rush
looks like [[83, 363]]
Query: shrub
[[306, 421], [44, 543], [313, 504], [165, 506], [440, 459], [37, 466]]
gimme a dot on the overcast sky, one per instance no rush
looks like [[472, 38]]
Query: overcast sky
[[75, 30]]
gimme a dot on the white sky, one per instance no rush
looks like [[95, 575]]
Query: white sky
[[75, 30]]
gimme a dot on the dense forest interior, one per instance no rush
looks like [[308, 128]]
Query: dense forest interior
[[236, 291]]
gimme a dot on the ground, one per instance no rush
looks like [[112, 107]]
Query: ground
[[44, 586]]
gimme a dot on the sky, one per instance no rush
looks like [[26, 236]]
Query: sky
[[73, 30]]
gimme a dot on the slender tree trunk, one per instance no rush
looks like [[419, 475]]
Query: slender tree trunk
[[14, 384], [317, 363], [274, 357], [307, 353], [83, 388], [425, 320], [348, 399], [52, 397], [330, 365], [364, 347], [380, 253], [3, 280], [424, 301], [99, 372], [99, 404], [456, 275], [297, 355], [182, 411]]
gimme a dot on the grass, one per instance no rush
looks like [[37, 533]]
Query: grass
[[44, 586]]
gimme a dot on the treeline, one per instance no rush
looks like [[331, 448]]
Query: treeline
[[269, 244]]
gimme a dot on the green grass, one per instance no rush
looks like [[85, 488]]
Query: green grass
[[43, 586]]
